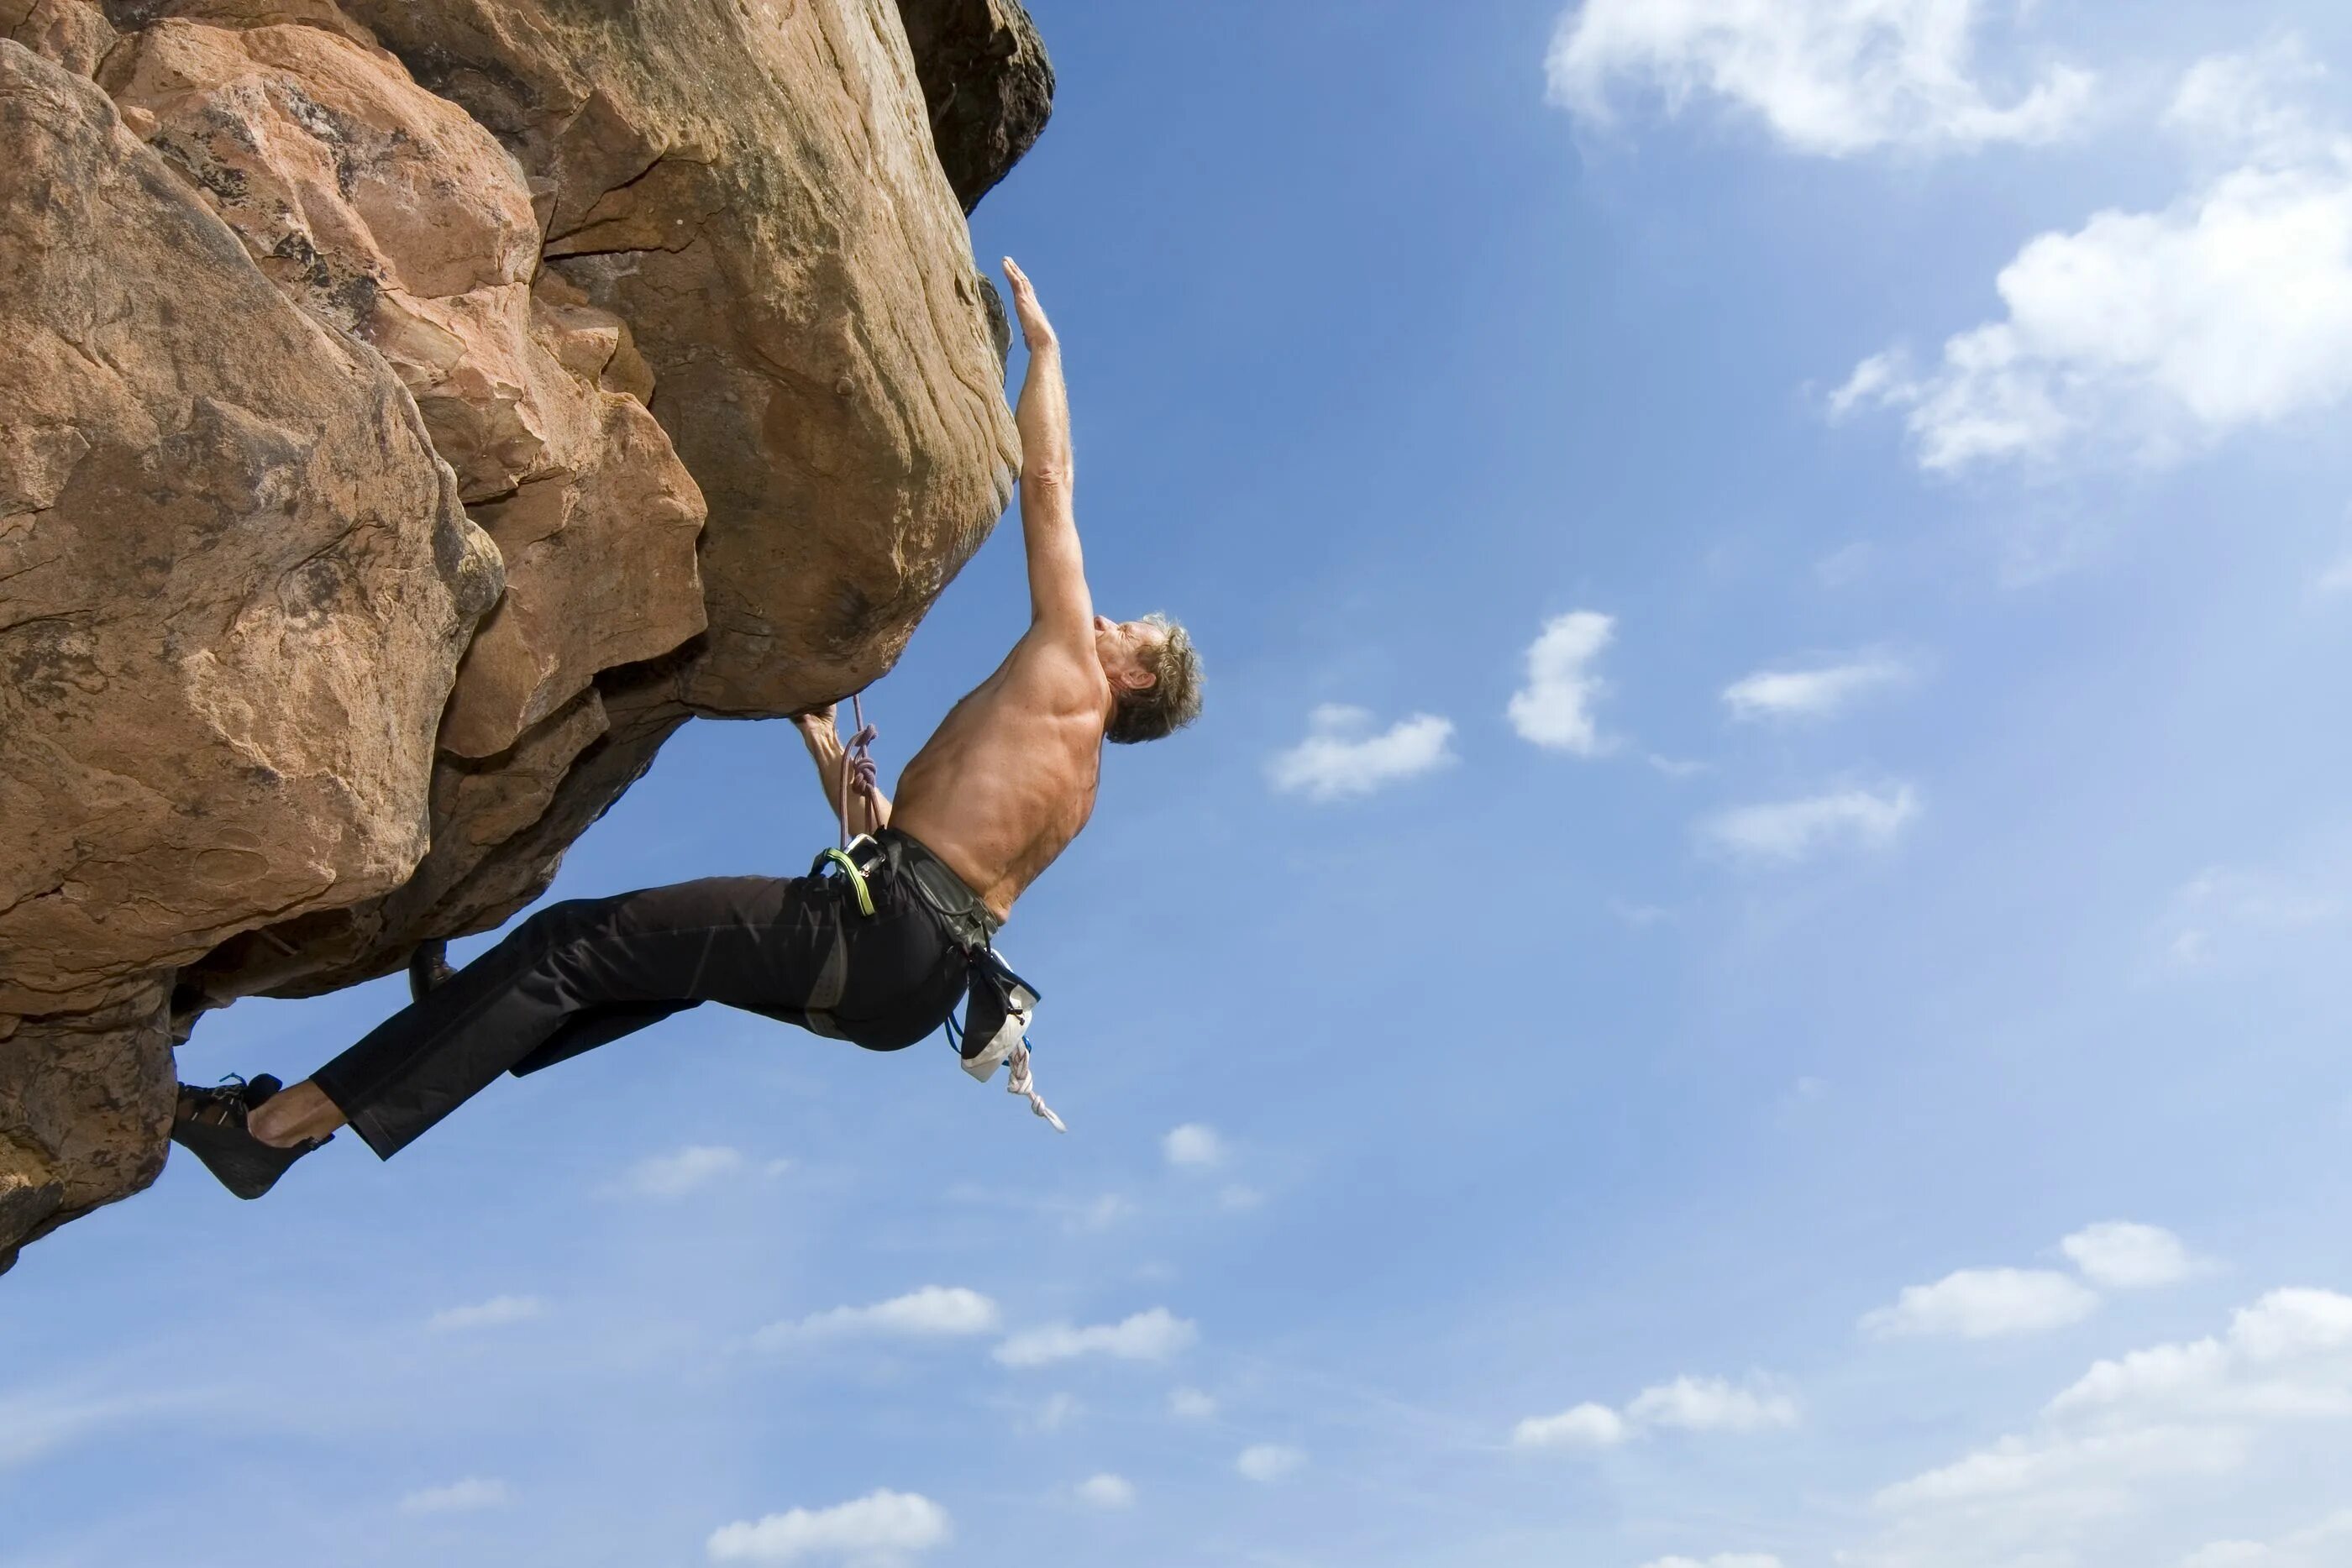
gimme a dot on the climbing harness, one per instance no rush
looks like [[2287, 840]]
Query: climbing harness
[[998, 1004]]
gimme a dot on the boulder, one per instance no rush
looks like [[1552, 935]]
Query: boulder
[[987, 84], [426, 407], [235, 581]]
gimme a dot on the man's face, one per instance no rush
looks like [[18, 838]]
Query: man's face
[[1121, 646]]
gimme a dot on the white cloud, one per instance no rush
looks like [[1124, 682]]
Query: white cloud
[[1342, 756], [1554, 709], [2109, 1452], [1192, 1405], [2327, 1544], [1785, 831], [1238, 1198], [1107, 1492], [2337, 578], [1712, 1405], [1104, 1212], [676, 1175], [1583, 1427], [1059, 1411], [1687, 1405], [1833, 78], [1814, 693], [496, 1313], [1985, 1304], [1265, 1462], [2288, 1356], [1194, 1146], [2155, 333], [34, 1424], [2247, 105], [935, 1311], [1153, 1335], [2228, 911], [2123, 1256], [1721, 1560], [881, 1526], [467, 1496]]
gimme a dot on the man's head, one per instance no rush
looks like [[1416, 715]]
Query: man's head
[[1154, 674]]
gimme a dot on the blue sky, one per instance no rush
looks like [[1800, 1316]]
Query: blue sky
[[1745, 969]]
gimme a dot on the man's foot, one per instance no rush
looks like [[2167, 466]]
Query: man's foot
[[210, 1123], [428, 969]]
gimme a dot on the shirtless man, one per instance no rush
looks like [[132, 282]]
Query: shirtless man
[[985, 805]]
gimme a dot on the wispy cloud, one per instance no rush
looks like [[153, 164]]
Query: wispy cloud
[[878, 1527], [468, 1496], [1586, 1426], [685, 1171], [1344, 756], [934, 1312], [1721, 1560], [1193, 1146], [496, 1313], [1268, 1462], [2336, 578], [34, 1424], [1554, 708], [1107, 1492], [1985, 1304], [2119, 1255], [1815, 691], [2327, 1544], [1712, 1404], [2130, 1428], [1785, 831], [2154, 333], [1685, 1405], [1153, 1335], [1191, 1404], [1827, 76]]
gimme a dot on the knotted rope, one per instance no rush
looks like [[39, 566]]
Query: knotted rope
[[857, 771]]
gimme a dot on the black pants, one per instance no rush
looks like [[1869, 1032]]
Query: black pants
[[579, 974]]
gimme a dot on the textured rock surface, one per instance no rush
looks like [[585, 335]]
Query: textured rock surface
[[753, 189], [571, 266], [388, 212], [988, 85], [235, 583]]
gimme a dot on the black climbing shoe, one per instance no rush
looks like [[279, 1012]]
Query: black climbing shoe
[[428, 969], [210, 1125]]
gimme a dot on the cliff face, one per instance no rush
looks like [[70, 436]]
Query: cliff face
[[425, 407]]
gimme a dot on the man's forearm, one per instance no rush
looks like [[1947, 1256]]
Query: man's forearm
[[1044, 420], [827, 752]]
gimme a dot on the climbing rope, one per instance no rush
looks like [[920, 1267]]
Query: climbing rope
[[857, 771]]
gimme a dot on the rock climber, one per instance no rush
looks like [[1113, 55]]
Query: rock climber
[[1001, 790]]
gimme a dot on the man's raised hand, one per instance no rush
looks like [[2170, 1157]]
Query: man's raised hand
[[1035, 331]]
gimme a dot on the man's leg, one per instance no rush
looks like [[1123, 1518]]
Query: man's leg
[[587, 970]]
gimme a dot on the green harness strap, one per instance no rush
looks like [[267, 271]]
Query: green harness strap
[[856, 879]]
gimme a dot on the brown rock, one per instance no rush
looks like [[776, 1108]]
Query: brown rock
[[74, 34], [233, 581], [753, 191], [387, 211], [85, 1105], [988, 82]]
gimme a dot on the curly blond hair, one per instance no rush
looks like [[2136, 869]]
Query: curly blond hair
[[1171, 701]]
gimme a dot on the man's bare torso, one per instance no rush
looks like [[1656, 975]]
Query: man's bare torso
[[1008, 779]]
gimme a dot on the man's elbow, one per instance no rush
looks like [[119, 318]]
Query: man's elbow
[[1047, 475]]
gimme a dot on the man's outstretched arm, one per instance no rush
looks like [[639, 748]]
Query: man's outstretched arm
[[1059, 603]]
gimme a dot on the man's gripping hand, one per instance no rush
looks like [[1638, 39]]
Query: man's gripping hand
[[1035, 331]]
